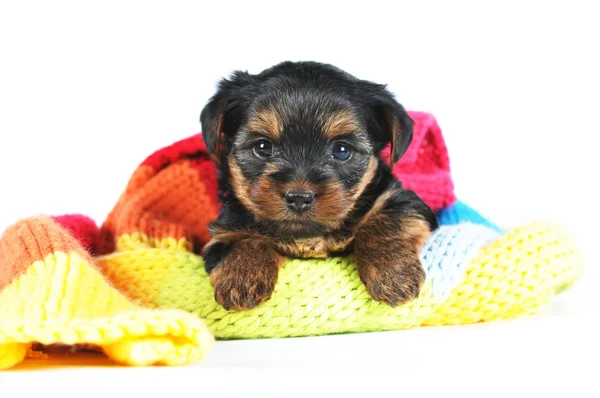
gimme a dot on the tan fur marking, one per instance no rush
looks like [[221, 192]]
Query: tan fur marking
[[265, 121], [366, 178], [377, 207], [331, 205], [267, 196], [240, 185], [415, 231], [340, 123], [320, 247]]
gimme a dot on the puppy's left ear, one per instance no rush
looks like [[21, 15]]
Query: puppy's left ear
[[400, 127], [395, 124]]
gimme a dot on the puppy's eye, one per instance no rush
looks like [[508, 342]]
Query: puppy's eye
[[263, 149], [341, 151]]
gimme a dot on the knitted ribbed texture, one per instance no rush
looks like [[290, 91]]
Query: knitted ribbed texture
[[55, 294], [473, 275], [137, 291], [171, 195], [459, 212], [515, 275]]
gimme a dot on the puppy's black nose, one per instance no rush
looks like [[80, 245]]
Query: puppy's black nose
[[299, 201]]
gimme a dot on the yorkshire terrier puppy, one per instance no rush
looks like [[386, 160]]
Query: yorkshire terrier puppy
[[297, 150]]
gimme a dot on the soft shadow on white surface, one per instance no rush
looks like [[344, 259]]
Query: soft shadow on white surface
[[545, 354]]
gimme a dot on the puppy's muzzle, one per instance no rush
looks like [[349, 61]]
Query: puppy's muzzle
[[299, 201]]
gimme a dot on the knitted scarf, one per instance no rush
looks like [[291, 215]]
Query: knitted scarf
[[134, 289]]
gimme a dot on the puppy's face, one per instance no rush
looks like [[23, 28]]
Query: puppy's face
[[299, 142], [301, 161]]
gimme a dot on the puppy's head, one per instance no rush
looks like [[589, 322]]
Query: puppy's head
[[299, 142]]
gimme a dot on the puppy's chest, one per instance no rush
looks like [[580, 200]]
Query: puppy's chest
[[318, 247]]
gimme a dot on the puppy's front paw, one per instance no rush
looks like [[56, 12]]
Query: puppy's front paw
[[246, 277], [387, 252], [395, 282], [235, 292]]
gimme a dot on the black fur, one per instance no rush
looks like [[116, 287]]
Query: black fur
[[214, 254]]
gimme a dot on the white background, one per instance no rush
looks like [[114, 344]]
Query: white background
[[89, 89]]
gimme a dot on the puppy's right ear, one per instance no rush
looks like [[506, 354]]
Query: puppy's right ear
[[211, 119], [220, 116]]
